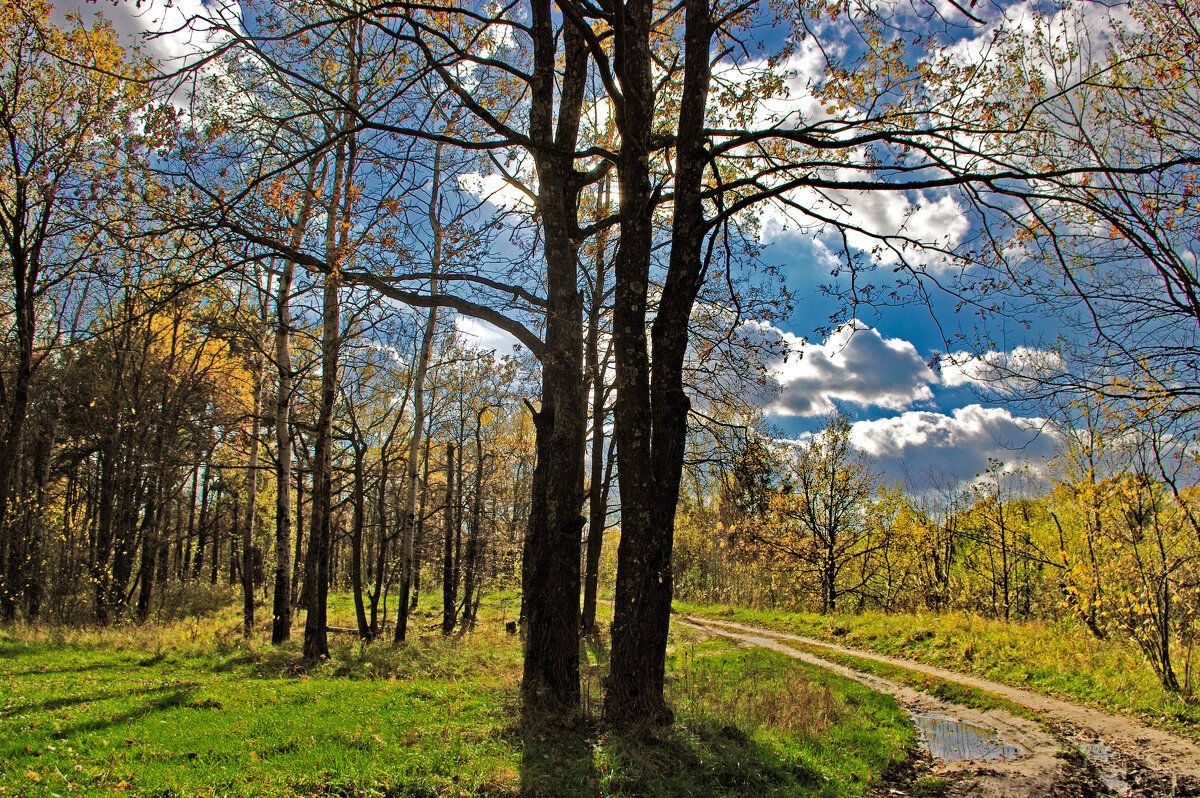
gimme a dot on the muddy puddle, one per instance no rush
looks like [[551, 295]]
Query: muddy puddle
[[953, 740], [1102, 758]]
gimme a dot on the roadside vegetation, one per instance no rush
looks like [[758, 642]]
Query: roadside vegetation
[[191, 708], [1055, 659]]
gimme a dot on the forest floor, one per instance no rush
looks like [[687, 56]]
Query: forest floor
[[188, 707], [1043, 746]]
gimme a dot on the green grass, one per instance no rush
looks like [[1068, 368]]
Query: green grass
[[190, 709], [832, 736], [1053, 659]]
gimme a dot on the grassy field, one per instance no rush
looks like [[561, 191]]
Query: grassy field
[[190, 709], [1056, 659]]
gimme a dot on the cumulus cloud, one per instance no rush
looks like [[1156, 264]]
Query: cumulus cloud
[[1002, 373], [855, 364], [916, 226], [958, 444]]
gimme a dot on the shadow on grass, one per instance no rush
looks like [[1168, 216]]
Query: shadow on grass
[[557, 755], [703, 758], [59, 703], [690, 757], [95, 666], [161, 699]]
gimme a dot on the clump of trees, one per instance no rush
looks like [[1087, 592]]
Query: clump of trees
[[252, 267], [1114, 548]]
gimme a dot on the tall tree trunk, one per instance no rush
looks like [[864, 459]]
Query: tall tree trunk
[[550, 572], [316, 570], [202, 530], [474, 531], [651, 415], [449, 599], [414, 447], [281, 605], [316, 643], [598, 486], [252, 494], [419, 535], [358, 493], [34, 574], [105, 499], [24, 271], [150, 547], [300, 557], [216, 536], [186, 564]]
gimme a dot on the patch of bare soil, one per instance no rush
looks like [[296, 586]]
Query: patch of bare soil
[[1075, 752]]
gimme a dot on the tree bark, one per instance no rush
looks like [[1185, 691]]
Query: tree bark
[[281, 606], [252, 498], [550, 573], [651, 406], [449, 599]]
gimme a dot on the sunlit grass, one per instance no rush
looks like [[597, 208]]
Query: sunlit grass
[[191, 708]]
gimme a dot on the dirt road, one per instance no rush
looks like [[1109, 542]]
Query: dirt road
[[1124, 757]]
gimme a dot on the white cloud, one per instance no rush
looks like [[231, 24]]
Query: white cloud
[[170, 31], [484, 336], [496, 189], [958, 445], [855, 364], [910, 225], [1003, 373]]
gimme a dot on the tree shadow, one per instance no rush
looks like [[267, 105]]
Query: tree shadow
[[175, 696], [700, 757], [96, 666], [578, 757], [557, 755], [59, 703]]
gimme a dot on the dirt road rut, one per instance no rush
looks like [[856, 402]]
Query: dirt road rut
[[1128, 758]]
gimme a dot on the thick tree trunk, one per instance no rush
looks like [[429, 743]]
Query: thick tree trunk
[[34, 574], [651, 414], [550, 573], [24, 271]]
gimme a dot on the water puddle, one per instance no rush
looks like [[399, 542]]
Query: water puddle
[[951, 740], [1099, 755]]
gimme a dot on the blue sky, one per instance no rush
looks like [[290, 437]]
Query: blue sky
[[912, 418], [916, 420]]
